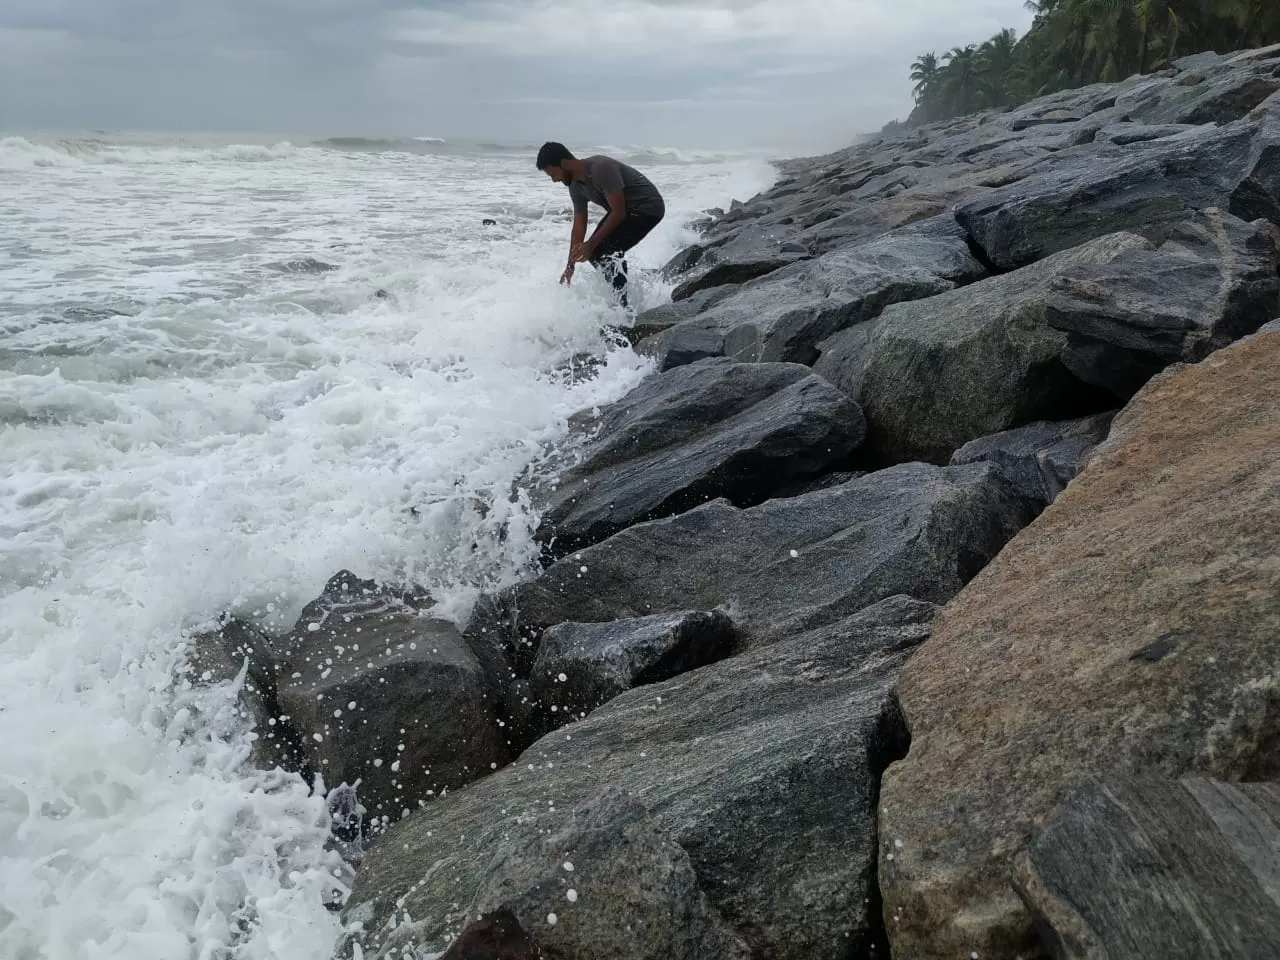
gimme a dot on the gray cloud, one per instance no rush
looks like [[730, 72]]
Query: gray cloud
[[679, 72]]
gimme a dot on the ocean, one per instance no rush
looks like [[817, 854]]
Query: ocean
[[228, 371]]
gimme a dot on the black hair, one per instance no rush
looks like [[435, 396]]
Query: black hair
[[553, 154]]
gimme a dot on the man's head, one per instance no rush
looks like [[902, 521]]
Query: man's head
[[555, 160]]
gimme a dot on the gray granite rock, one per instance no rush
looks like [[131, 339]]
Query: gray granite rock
[[1155, 869], [581, 666], [1040, 459], [713, 429], [782, 317], [933, 374], [763, 769], [425, 714]]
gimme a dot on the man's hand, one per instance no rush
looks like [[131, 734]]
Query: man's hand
[[567, 277], [582, 252]]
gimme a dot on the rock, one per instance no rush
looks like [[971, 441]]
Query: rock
[[1145, 188], [239, 653], [783, 316], [1212, 93], [753, 253], [855, 223], [933, 374], [583, 665], [1056, 117], [714, 429], [1153, 869], [1123, 134], [1228, 100], [836, 479], [495, 936], [667, 315], [1213, 281], [763, 768], [785, 565], [685, 260], [682, 344], [1040, 459], [1134, 628], [635, 892], [303, 265], [425, 717], [1197, 61]]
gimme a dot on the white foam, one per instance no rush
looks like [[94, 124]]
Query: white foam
[[228, 441], [18, 153]]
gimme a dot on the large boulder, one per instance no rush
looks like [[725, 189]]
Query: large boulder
[[1094, 190], [1041, 458], [782, 317], [1071, 333], [240, 655], [387, 699], [494, 936], [1213, 281], [1154, 869], [763, 769], [713, 429], [632, 892], [583, 665], [1133, 628], [783, 566], [751, 252], [933, 374], [1204, 91]]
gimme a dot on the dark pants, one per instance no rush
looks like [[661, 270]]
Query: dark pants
[[611, 254]]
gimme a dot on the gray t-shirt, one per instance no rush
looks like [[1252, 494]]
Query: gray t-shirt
[[606, 176]]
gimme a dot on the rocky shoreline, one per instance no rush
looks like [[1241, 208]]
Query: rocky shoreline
[[925, 603]]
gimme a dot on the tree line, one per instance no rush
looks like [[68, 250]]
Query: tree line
[[1073, 43]]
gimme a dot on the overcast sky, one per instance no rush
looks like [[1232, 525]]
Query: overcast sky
[[658, 72]]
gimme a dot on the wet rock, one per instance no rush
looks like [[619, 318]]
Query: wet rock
[[387, 699], [1155, 869], [1123, 134], [787, 564], [1210, 93], [714, 429], [1133, 629], [827, 480], [752, 253], [667, 315], [494, 936], [1145, 188], [782, 317], [1040, 459], [1213, 281], [581, 666], [635, 892], [762, 768], [1051, 117], [241, 654], [303, 265], [933, 374]]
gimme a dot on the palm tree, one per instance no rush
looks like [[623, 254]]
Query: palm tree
[[924, 72], [1076, 42], [997, 64], [962, 81]]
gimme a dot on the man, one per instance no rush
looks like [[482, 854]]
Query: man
[[633, 204]]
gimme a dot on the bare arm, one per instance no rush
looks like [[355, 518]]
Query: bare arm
[[579, 233], [617, 213], [575, 242]]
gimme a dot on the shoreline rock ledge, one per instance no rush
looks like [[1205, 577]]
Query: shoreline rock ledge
[[947, 524]]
